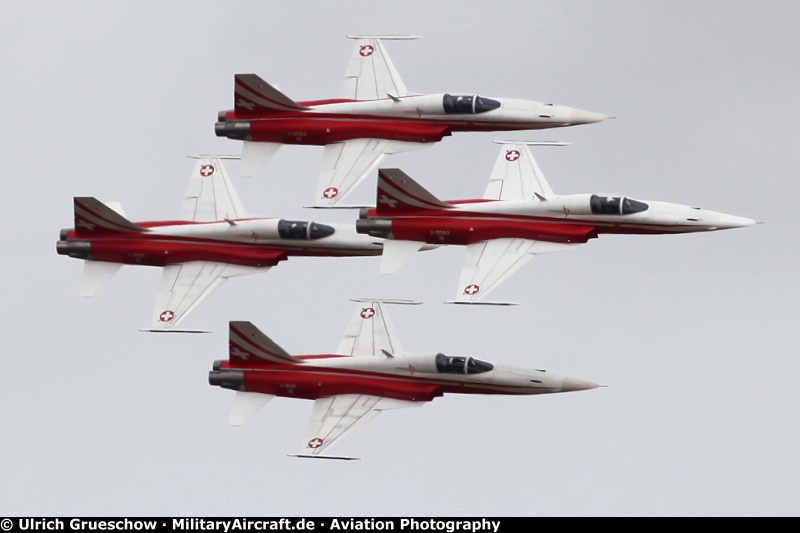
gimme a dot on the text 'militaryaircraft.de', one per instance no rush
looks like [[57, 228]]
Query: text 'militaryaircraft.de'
[[213, 239], [375, 116], [518, 217], [369, 373]]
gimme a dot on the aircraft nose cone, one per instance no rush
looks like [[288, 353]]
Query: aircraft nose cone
[[580, 116], [572, 384], [731, 221]]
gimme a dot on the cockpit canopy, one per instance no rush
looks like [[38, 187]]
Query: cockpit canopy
[[616, 205], [301, 229], [461, 365], [460, 104]]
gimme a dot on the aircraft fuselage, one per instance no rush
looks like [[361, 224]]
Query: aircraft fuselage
[[420, 118], [562, 219], [411, 377], [255, 242]]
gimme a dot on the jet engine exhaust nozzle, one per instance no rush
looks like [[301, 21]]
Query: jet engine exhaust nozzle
[[233, 130], [375, 228], [77, 249], [227, 379]]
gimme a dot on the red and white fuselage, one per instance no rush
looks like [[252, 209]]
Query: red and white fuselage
[[419, 118], [561, 219], [410, 377], [255, 242]]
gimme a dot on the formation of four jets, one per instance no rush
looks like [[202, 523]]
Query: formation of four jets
[[214, 238]]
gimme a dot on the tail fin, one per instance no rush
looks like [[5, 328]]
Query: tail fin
[[248, 344], [397, 193], [254, 95], [93, 216]]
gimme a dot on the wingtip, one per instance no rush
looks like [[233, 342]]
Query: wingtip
[[337, 457], [398, 301], [161, 330], [466, 302]]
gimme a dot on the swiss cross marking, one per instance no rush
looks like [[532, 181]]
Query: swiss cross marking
[[391, 202], [85, 225], [330, 193], [366, 50], [238, 352], [245, 104], [472, 289], [315, 443], [367, 312], [166, 316], [206, 170], [512, 155]]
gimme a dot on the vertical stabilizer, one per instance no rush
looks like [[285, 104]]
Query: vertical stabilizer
[[397, 193], [248, 345], [93, 216], [252, 95]]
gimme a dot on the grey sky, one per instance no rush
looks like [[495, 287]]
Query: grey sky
[[695, 335]]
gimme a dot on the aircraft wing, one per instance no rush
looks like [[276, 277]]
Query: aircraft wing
[[369, 332], [489, 263], [370, 73], [185, 286], [210, 195], [335, 417], [346, 164], [516, 175]]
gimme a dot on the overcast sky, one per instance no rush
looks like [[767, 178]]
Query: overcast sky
[[695, 336]]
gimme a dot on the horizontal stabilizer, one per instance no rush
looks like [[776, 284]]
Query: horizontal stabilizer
[[255, 156], [397, 253], [116, 206], [95, 275], [245, 405]]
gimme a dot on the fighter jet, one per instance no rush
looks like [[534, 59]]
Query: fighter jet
[[375, 116], [518, 217], [369, 373], [214, 239]]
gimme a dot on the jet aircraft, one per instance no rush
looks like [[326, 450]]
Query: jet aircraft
[[375, 116], [213, 239], [369, 373], [518, 217]]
